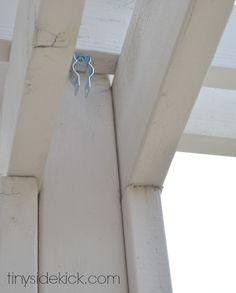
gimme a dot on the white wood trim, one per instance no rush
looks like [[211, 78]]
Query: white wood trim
[[42, 48], [160, 72], [18, 232], [147, 259]]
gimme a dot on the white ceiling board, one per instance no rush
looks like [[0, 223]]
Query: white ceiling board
[[104, 25]]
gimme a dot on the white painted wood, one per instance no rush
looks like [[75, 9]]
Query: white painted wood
[[221, 77], [42, 47], [103, 62], [18, 231], [103, 27], [7, 18], [80, 212], [159, 75], [148, 267], [211, 128]]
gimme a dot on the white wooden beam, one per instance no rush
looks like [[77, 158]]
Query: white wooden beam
[[163, 63], [80, 210], [18, 233], [41, 53], [102, 37], [221, 77], [147, 260], [105, 63], [211, 128]]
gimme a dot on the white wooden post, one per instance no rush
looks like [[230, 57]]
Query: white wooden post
[[18, 233], [148, 268], [80, 211]]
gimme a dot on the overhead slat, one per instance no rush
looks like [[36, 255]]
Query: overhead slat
[[211, 128], [221, 77], [164, 60], [42, 48], [103, 29]]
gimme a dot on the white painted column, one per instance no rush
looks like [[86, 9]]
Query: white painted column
[[80, 212], [18, 233], [147, 259]]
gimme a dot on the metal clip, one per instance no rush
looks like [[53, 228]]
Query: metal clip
[[81, 62]]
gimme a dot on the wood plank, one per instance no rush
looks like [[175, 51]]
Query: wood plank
[[158, 79], [211, 128], [80, 210], [103, 26], [221, 77], [112, 19], [147, 259], [18, 232], [41, 53]]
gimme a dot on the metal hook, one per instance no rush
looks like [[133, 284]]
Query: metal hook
[[83, 61]]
